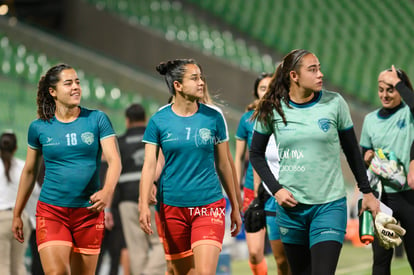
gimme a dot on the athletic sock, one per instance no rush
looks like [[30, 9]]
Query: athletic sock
[[260, 268]]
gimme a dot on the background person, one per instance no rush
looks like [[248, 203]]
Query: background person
[[391, 128], [272, 157], [69, 215], [146, 251], [255, 241], [11, 252], [113, 242]]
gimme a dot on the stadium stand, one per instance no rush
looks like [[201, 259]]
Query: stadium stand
[[353, 39], [177, 23], [21, 69]]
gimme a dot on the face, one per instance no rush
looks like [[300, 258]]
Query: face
[[309, 76], [262, 87], [388, 95], [192, 87], [68, 90]]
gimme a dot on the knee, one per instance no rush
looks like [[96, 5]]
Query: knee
[[255, 258], [281, 260], [282, 263]]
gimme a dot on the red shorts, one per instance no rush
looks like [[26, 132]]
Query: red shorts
[[79, 228], [188, 227], [248, 197], [160, 229]]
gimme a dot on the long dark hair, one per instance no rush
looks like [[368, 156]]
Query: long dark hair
[[279, 87], [8, 145], [46, 105], [174, 70]]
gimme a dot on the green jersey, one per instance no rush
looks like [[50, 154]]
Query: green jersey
[[393, 133], [309, 148]]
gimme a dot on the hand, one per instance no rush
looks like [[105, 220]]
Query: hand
[[99, 200], [370, 203], [17, 228], [368, 156], [145, 219], [387, 230], [109, 220], [153, 198], [236, 222], [285, 198], [390, 77], [410, 176]]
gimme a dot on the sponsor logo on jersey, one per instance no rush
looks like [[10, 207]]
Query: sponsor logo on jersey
[[49, 142]]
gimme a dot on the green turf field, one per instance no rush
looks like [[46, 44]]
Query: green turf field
[[353, 261]]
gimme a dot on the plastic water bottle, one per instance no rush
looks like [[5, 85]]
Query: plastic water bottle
[[366, 226]]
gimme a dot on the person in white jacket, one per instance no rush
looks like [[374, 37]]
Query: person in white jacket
[[11, 252]]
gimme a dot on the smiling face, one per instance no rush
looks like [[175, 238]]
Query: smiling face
[[192, 86], [309, 75], [387, 93], [67, 91]]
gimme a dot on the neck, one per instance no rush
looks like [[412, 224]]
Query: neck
[[183, 107], [67, 114], [300, 95], [135, 124]]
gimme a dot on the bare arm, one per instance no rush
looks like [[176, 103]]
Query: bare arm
[[225, 174], [26, 185], [235, 179], [239, 159], [102, 198], [256, 182], [145, 186]]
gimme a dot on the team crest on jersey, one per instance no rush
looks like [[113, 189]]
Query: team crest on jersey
[[283, 230], [401, 123], [205, 134], [87, 138], [324, 124]]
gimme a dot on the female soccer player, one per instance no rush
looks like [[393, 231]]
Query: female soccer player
[[71, 138], [391, 128], [193, 138], [310, 125]]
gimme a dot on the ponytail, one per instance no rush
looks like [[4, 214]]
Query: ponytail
[[279, 87]]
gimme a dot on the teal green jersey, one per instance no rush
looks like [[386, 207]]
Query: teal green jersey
[[72, 155], [394, 133], [189, 176], [309, 148], [245, 132]]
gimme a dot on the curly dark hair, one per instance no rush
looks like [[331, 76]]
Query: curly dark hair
[[46, 105]]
